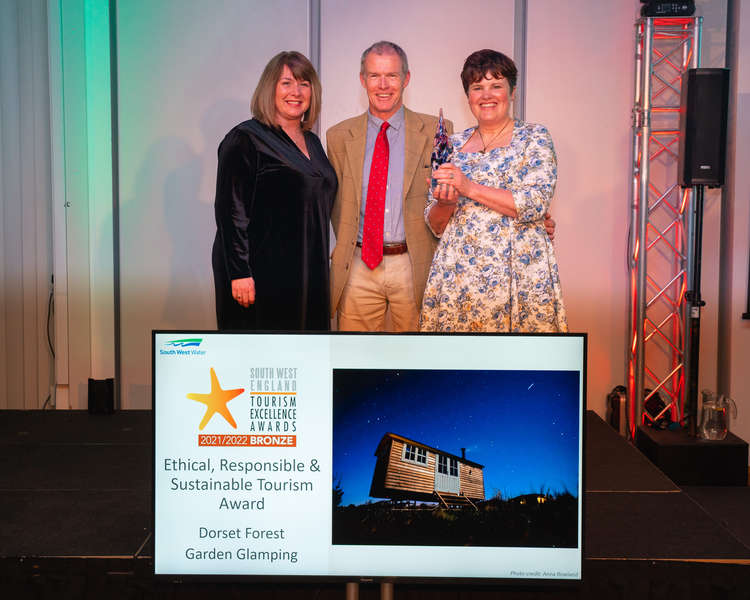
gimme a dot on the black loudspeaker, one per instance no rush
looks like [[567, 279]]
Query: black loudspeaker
[[617, 413], [703, 127], [101, 396]]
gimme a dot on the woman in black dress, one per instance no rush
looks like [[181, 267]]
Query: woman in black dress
[[274, 192]]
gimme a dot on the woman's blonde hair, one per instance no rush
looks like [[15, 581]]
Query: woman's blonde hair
[[263, 104]]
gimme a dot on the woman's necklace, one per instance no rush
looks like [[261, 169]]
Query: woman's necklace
[[494, 137]]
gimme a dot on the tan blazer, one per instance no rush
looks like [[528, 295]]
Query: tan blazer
[[346, 151]]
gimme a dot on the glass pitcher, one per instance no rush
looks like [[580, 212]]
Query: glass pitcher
[[715, 421]]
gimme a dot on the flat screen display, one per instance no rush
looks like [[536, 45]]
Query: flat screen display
[[422, 457]]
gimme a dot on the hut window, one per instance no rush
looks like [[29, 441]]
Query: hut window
[[415, 454], [447, 466]]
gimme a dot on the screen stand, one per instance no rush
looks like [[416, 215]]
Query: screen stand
[[352, 590], [386, 591]]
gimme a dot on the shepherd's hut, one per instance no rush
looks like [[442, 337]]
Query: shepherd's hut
[[410, 470]]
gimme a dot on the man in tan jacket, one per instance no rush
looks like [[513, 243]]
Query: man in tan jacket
[[361, 294]]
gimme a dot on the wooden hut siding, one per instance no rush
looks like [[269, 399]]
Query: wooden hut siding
[[407, 475], [472, 481]]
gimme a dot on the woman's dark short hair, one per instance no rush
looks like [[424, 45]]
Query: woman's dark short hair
[[483, 62], [263, 103]]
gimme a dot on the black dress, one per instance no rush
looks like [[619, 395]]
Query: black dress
[[273, 208]]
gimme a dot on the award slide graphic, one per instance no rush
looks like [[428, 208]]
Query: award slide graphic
[[324, 455], [234, 474]]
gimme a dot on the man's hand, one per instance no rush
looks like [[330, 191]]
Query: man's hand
[[549, 225]]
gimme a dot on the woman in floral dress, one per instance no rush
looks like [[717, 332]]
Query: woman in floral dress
[[495, 267]]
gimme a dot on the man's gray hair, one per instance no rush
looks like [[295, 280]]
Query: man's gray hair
[[384, 47]]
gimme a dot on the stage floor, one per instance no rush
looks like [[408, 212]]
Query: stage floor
[[75, 495]]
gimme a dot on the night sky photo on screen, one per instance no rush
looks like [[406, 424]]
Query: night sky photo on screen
[[521, 425], [505, 444]]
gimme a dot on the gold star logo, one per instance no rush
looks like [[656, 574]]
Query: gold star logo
[[216, 401]]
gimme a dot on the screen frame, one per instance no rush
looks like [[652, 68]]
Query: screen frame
[[479, 582]]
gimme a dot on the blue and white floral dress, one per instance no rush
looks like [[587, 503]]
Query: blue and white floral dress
[[492, 272]]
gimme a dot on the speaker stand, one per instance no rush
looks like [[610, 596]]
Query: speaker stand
[[694, 305]]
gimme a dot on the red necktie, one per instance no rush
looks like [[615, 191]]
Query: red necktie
[[372, 231]]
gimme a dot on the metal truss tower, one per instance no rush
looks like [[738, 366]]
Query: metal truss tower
[[661, 222]]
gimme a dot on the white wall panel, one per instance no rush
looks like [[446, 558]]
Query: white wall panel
[[80, 103], [437, 36], [736, 353], [99, 189], [714, 13], [25, 235], [77, 258], [580, 85], [11, 301], [187, 69]]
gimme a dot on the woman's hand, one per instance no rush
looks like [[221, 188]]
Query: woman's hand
[[445, 194], [243, 291], [442, 210], [450, 175]]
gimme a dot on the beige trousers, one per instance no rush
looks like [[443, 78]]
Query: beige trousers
[[369, 293]]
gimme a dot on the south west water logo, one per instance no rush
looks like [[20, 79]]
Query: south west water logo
[[183, 347]]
